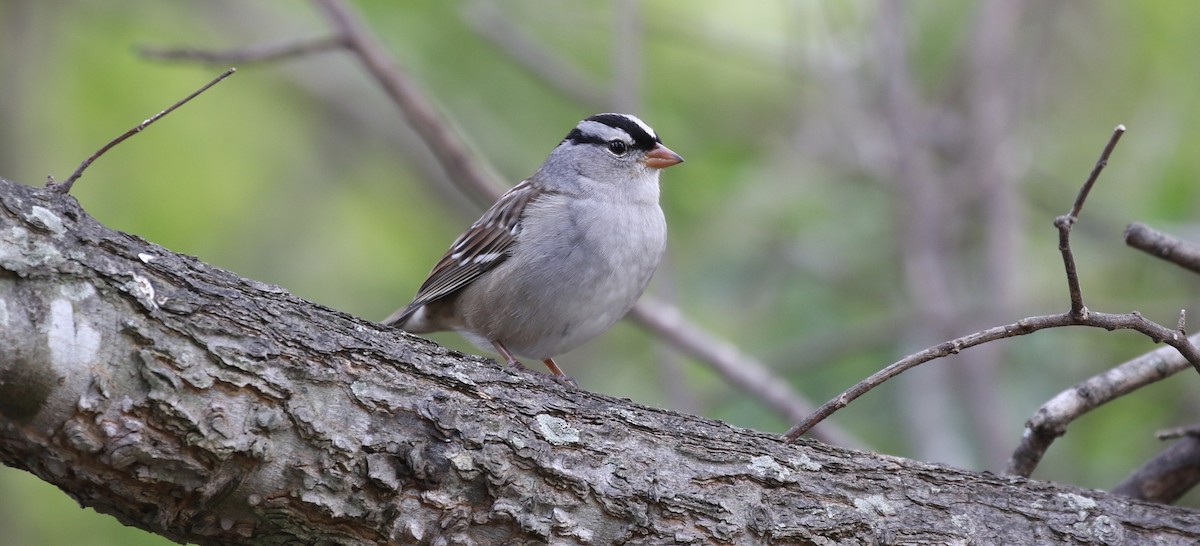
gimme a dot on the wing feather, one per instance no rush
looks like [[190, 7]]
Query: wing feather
[[485, 245]]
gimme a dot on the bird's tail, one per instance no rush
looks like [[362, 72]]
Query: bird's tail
[[400, 318]]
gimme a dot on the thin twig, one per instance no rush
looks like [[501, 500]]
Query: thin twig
[[1100, 164], [65, 187], [1108, 321], [1078, 316], [1066, 221], [252, 54], [1185, 254]]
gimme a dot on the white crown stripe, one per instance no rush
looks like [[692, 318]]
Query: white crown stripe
[[643, 125], [603, 131]]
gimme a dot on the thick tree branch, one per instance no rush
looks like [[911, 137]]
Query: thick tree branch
[[193, 403]]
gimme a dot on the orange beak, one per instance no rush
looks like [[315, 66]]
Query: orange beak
[[662, 157]]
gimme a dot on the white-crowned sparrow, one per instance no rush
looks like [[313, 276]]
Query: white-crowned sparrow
[[562, 256]]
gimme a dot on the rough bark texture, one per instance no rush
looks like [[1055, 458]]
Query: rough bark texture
[[193, 403]]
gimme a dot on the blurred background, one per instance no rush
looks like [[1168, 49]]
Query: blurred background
[[864, 179]]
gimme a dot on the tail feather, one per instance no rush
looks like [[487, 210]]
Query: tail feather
[[400, 318]]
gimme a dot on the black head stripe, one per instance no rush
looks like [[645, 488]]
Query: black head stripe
[[642, 140]]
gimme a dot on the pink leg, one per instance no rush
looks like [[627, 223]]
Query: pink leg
[[559, 376], [508, 357], [511, 360]]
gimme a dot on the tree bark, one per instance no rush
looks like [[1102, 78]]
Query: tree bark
[[205, 407]]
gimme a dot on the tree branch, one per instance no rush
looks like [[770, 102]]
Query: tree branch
[[1077, 316], [1050, 421], [1065, 222], [451, 151], [256, 54], [65, 186], [1167, 476], [491, 23], [1182, 253], [213, 409]]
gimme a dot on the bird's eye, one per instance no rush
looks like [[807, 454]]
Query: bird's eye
[[618, 147]]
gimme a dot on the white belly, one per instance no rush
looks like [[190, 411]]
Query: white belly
[[573, 282]]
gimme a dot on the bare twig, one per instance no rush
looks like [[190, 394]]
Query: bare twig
[[1107, 321], [253, 54], [65, 186], [1077, 316], [1185, 254], [1091, 179], [1065, 222], [1050, 421], [1166, 476]]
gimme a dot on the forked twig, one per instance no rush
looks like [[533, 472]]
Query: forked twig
[[1077, 316], [1065, 222], [65, 186]]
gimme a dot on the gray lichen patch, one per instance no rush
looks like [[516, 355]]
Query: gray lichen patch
[[23, 254], [43, 217], [556, 431]]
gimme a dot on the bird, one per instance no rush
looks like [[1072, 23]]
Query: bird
[[561, 256]]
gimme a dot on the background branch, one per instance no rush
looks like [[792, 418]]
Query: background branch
[[253, 54], [1178, 251], [1077, 316], [451, 151], [487, 19], [1050, 420], [1166, 477]]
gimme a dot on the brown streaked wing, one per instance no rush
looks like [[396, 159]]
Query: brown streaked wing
[[485, 245]]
